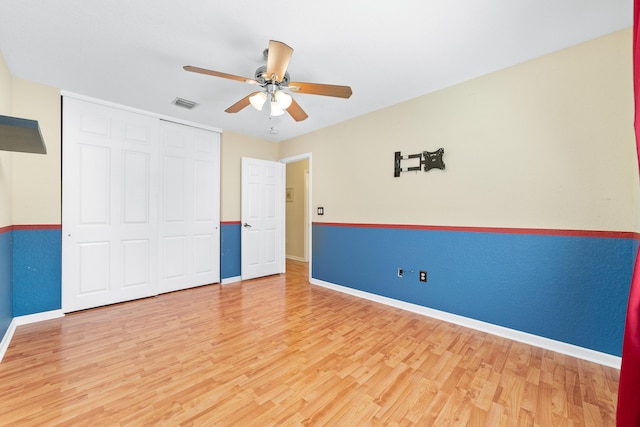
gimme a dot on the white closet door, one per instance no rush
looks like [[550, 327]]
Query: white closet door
[[189, 207], [109, 204]]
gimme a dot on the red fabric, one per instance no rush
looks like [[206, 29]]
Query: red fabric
[[629, 388], [628, 412], [636, 71]]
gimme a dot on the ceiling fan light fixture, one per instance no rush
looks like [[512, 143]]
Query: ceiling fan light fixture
[[258, 100], [283, 99], [276, 110]]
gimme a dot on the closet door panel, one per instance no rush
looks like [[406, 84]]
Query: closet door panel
[[190, 207], [109, 205]]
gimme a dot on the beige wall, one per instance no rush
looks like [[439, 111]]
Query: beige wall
[[36, 186], [295, 209], [30, 183], [5, 157], [548, 143], [545, 144], [234, 147]]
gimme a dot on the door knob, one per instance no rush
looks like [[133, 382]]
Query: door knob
[[245, 225]]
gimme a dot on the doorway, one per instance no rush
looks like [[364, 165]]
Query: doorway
[[298, 203]]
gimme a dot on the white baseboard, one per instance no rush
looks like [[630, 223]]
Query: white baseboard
[[296, 258], [6, 340], [38, 317], [535, 340], [230, 280], [24, 320]]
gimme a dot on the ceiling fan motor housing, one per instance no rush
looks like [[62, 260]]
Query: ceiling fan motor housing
[[262, 78]]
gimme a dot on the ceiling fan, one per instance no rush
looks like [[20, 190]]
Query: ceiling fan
[[274, 82]]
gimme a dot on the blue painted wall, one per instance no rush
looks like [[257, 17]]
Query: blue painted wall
[[36, 271], [566, 288], [230, 250], [6, 287], [572, 289]]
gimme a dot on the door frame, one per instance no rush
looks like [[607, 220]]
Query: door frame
[[306, 214], [309, 246]]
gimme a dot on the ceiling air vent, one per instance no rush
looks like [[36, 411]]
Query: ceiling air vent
[[185, 103]]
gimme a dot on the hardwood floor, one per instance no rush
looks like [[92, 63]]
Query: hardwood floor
[[279, 351]]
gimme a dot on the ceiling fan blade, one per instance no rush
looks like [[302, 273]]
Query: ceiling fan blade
[[321, 89], [219, 74], [240, 104], [296, 111], [278, 60]]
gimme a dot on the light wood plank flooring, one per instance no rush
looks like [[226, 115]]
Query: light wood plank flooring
[[279, 351]]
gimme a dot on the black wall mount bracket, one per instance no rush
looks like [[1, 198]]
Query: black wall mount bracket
[[427, 160]]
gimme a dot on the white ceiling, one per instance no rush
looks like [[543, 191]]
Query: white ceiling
[[132, 52]]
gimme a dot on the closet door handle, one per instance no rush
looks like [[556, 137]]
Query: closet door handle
[[245, 225]]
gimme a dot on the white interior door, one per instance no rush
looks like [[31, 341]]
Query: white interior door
[[262, 227], [190, 207], [109, 203]]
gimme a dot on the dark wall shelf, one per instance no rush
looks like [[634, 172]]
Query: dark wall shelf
[[22, 135]]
